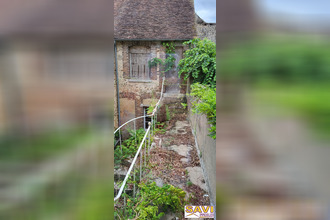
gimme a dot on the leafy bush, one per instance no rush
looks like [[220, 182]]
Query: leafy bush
[[205, 103], [152, 201], [129, 146], [199, 62]]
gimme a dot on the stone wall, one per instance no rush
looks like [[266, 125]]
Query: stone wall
[[206, 148], [205, 30], [135, 94]]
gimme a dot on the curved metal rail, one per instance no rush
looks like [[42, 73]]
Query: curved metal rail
[[140, 149]]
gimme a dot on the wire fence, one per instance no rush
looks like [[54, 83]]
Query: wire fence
[[136, 170]]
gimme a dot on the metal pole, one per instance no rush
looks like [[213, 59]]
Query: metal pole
[[134, 182], [132, 165], [140, 164], [149, 141], [124, 201], [121, 148], [155, 119], [135, 132], [145, 152], [152, 124]]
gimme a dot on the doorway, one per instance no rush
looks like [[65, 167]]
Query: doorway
[[146, 119]]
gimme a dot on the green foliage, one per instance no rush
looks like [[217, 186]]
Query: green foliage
[[151, 107], [189, 183], [283, 60], [154, 62], [205, 103], [160, 128], [199, 62], [169, 63], [93, 201], [184, 105], [168, 113], [152, 201], [169, 47], [129, 146]]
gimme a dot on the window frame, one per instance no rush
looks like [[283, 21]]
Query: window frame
[[145, 52]]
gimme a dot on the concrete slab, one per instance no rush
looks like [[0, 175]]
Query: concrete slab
[[196, 176], [183, 150]]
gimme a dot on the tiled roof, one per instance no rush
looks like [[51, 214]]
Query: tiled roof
[[154, 19]]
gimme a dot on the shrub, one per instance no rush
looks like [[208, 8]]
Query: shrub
[[199, 62], [129, 146], [205, 103]]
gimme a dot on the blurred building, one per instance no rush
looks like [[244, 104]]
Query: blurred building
[[56, 62]]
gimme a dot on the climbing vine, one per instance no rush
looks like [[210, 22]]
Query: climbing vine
[[199, 62], [167, 64]]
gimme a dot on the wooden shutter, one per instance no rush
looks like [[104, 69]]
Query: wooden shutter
[[139, 67]]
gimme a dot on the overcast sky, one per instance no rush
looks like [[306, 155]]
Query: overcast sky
[[297, 7], [206, 9]]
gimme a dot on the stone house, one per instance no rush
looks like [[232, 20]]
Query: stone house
[[140, 29], [56, 62]]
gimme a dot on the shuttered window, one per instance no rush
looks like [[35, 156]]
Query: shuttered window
[[139, 68]]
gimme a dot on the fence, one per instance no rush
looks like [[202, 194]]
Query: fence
[[144, 147]]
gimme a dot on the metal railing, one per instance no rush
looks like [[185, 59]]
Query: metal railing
[[144, 148]]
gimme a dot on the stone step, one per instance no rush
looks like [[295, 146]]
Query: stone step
[[120, 174]]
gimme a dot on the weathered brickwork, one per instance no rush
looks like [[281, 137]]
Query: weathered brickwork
[[205, 30], [140, 90]]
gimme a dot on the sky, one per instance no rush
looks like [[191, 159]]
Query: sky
[[298, 7], [206, 9]]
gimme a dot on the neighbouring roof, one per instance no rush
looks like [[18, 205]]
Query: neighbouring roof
[[154, 19], [55, 17], [200, 21]]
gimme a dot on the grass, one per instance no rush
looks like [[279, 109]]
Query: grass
[[39, 147], [76, 198], [308, 101]]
